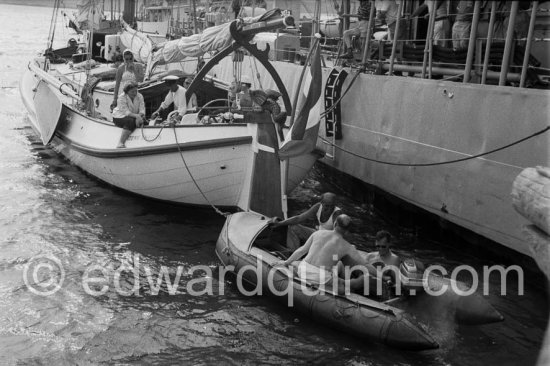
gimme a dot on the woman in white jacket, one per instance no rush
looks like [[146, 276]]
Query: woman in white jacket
[[129, 112]]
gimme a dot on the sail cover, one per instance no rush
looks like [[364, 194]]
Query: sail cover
[[211, 39], [137, 42], [89, 14]]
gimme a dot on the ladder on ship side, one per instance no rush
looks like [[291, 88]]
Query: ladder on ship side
[[333, 118]]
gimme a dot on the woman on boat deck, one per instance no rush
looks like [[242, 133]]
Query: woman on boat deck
[[129, 112], [128, 72]]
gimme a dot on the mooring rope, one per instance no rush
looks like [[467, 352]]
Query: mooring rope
[[218, 211], [442, 162], [154, 138], [324, 114]]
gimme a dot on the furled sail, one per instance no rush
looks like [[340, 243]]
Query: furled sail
[[89, 15], [137, 42], [211, 39]]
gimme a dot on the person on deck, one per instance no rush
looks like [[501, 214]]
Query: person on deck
[[324, 212], [176, 96], [129, 71], [325, 251], [361, 27], [129, 112], [192, 104], [462, 25], [442, 25], [387, 10]]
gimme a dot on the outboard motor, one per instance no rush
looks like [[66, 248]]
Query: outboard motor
[[411, 276]]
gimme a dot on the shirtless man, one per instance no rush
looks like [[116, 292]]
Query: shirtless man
[[384, 256], [325, 250]]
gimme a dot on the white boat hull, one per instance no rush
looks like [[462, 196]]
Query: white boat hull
[[188, 164]]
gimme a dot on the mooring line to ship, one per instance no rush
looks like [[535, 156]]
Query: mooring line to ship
[[338, 101], [438, 163], [218, 211], [154, 138]]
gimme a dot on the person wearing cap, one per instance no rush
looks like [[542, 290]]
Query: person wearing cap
[[129, 71], [129, 112], [176, 96]]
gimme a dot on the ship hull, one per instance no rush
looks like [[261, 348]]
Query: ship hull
[[410, 121]]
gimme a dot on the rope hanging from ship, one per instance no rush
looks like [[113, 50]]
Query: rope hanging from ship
[[218, 211], [546, 129]]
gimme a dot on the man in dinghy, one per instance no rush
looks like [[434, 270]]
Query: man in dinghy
[[384, 259], [325, 252], [324, 212], [176, 96], [384, 256]]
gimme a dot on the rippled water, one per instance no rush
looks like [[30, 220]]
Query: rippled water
[[50, 208]]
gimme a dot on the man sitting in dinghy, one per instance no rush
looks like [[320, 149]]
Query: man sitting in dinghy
[[384, 258], [324, 212], [384, 255], [176, 95], [325, 252]]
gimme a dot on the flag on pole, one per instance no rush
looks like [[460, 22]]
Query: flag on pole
[[302, 136]]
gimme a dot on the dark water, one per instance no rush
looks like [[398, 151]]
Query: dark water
[[48, 207]]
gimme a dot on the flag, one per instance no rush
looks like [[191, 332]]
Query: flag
[[302, 136]]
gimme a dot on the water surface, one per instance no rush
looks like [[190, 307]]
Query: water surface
[[50, 208]]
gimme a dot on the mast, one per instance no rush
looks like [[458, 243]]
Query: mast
[[129, 11], [316, 21], [346, 11], [194, 17]]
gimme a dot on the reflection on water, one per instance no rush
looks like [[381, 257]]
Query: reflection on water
[[49, 207]]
